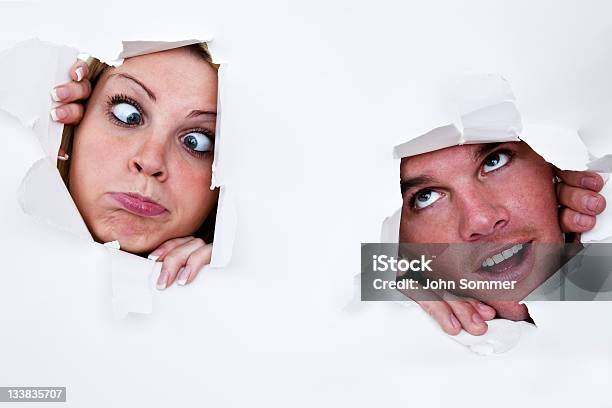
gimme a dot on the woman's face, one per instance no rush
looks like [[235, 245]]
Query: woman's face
[[142, 155]]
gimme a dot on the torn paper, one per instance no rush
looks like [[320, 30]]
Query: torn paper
[[42, 193], [488, 113], [133, 281], [501, 336]]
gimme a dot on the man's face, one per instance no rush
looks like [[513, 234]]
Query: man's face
[[491, 198]]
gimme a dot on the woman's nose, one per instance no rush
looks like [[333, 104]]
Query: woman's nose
[[483, 214], [150, 160]]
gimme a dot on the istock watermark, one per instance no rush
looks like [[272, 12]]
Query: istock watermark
[[486, 271]]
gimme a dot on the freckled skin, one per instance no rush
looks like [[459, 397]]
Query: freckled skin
[[515, 203], [149, 159]]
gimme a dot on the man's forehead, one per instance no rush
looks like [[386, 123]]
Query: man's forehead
[[453, 154]]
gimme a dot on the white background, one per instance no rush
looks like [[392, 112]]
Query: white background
[[318, 93]]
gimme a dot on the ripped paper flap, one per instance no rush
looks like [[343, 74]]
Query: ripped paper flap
[[43, 195], [25, 87], [133, 282], [135, 48]]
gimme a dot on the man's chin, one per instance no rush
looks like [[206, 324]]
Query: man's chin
[[510, 310]]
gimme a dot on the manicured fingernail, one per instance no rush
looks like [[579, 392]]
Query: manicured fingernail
[[590, 183], [153, 257], [58, 114], [183, 275], [454, 322], [583, 220], [79, 73], [591, 203], [162, 281], [60, 93], [477, 319]]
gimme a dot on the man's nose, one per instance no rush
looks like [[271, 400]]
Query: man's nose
[[150, 160], [483, 214]]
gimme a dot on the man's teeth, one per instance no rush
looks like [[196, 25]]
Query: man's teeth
[[503, 255]]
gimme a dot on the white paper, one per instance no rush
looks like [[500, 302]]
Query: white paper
[[43, 194], [501, 336]]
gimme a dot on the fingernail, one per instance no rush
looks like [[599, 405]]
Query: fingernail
[[183, 275], [162, 281], [483, 308], [591, 203], [477, 319], [58, 114], [60, 93], [79, 73], [583, 220], [454, 322], [590, 182], [152, 257]]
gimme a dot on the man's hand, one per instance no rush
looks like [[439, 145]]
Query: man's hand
[[182, 258], [577, 194]]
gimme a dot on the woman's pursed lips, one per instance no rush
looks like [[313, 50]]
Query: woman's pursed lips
[[138, 204]]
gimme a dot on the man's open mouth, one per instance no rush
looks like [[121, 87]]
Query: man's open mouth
[[509, 264]]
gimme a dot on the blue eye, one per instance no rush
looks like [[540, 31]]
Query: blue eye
[[495, 161], [425, 198], [127, 113], [197, 141]]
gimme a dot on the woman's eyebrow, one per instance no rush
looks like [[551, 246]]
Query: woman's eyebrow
[[409, 183], [127, 76], [196, 113]]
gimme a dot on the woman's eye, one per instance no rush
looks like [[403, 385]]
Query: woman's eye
[[425, 198], [495, 161], [197, 141], [127, 113]]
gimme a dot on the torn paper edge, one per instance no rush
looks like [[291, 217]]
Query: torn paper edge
[[505, 334], [226, 211], [472, 131]]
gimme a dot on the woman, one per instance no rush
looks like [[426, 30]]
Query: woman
[[139, 163]]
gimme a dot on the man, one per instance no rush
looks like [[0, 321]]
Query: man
[[497, 204]]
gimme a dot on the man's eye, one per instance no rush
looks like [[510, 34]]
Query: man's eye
[[197, 141], [127, 113], [425, 198], [495, 161]]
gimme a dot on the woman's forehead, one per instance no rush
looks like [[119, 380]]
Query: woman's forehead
[[176, 73]]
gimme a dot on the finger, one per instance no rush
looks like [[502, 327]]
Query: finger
[[195, 263], [176, 259], [79, 70], [68, 114], [486, 311], [441, 312], [468, 316], [585, 179], [72, 91], [573, 221], [159, 253], [581, 200]]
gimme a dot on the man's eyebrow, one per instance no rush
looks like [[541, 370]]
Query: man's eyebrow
[[485, 149], [196, 113], [409, 183], [147, 90]]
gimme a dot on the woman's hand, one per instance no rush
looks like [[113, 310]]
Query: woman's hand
[[577, 193], [70, 112], [182, 259]]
